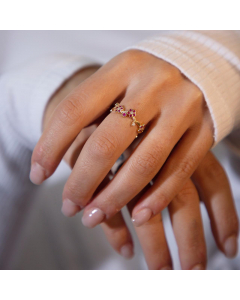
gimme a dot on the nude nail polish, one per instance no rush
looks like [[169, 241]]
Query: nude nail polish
[[69, 209], [93, 217], [37, 174], [231, 246], [142, 217], [127, 251]]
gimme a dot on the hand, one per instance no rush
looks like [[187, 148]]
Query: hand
[[212, 185], [179, 133], [214, 190]]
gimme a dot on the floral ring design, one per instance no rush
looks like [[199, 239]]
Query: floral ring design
[[131, 113]]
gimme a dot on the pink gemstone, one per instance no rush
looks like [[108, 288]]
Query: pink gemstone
[[134, 115], [124, 115]]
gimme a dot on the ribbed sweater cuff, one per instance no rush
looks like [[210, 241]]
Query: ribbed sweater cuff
[[194, 55]]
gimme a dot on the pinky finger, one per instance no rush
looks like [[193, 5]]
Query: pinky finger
[[187, 225], [215, 191]]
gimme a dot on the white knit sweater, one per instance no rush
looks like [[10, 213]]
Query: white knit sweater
[[210, 59]]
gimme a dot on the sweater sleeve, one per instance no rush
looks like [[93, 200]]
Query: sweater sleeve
[[211, 60], [24, 94]]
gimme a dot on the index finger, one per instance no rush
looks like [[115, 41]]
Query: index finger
[[80, 108]]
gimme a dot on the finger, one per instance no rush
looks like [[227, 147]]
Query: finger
[[187, 225], [139, 169], [179, 167], [153, 240], [215, 191], [101, 151], [115, 229], [118, 235], [84, 105], [70, 209]]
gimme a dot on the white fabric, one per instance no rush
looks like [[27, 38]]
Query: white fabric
[[23, 95]]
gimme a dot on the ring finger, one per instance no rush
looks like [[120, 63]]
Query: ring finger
[[184, 211]]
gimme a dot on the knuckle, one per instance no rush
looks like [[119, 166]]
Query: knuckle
[[134, 56], [185, 168], [147, 163], [72, 110], [144, 164], [104, 145], [170, 75], [186, 193]]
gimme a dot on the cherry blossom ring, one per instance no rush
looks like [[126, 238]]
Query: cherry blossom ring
[[131, 113]]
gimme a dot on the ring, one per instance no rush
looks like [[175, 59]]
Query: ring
[[131, 113]]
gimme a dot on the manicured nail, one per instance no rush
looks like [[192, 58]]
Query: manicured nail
[[198, 267], [166, 268], [231, 246], [69, 209], [127, 251], [142, 216], [93, 217], [37, 174]]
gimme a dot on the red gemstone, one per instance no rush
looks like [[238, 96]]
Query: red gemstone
[[134, 115]]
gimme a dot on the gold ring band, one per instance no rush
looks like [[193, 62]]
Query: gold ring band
[[131, 113]]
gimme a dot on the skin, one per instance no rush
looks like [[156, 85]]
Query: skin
[[187, 135]]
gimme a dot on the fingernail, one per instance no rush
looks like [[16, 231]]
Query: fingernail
[[142, 216], [127, 251], [37, 174], [69, 209], [231, 246], [198, 267], [93, 218], [166, 268]]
